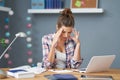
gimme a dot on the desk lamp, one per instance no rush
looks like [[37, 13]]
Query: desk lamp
[[20, 34]]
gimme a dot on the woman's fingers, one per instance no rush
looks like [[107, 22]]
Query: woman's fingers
[[59, 32], [76, 33], [57, 35]]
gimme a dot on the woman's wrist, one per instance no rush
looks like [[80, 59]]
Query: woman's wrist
[[78, 42], [53, 46]]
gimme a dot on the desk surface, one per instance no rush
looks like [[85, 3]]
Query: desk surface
[[115, 73]]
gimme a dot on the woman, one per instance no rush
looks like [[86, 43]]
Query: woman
[[61, 50]]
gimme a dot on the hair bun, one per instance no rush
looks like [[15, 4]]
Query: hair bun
[[66, 12]]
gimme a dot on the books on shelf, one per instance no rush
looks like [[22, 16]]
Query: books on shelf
[[54, 4], [61, 77], [37, 4], [47, 4]]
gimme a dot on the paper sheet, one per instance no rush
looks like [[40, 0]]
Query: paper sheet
[[61, 71]]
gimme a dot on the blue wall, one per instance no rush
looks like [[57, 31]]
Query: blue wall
[[99, 33]]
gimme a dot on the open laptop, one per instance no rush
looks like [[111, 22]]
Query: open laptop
[[99, 63]]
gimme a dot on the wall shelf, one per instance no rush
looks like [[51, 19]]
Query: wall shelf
[[5, 9], [83, 10]]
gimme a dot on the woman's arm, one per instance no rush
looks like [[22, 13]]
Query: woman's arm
[[77, 55], [49, 48], [51, 55], [47, 53], [77, 60]]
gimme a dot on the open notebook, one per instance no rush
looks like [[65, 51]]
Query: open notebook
[[99, 63]]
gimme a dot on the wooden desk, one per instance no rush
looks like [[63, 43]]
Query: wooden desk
[[115, 73]]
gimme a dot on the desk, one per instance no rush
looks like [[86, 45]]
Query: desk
[[115, 73]]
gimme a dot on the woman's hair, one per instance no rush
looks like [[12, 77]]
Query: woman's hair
[[66, 18]]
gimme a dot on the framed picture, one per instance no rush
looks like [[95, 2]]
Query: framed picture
[[84, 3]]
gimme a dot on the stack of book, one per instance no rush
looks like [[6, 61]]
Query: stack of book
[[25, 71], [47, 4], [20, 73]]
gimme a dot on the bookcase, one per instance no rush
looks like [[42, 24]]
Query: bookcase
[[74, 10]]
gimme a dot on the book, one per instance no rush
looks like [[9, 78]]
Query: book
[[20, 73], [38, 4], [27, 68], [54, 4], [96, 77], [61, 77], [2, 2]]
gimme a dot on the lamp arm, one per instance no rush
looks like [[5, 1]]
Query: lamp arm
[[8, 47]]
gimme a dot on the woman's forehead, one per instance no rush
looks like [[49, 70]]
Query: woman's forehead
[[68, 28]]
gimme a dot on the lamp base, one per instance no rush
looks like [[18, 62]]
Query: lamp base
[[2, 74]]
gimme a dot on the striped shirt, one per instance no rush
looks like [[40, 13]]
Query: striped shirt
[[69, 49]]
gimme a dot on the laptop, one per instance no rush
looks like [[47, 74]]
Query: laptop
[[99, 63]]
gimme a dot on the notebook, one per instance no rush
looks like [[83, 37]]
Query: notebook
[[99, 63]]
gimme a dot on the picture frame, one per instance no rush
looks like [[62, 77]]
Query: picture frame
[[84, 4]]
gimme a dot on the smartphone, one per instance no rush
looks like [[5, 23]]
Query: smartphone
[[95, 77]]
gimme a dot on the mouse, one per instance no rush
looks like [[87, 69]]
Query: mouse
[[2, 74]]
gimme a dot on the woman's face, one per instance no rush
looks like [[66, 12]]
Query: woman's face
[[66, 32]]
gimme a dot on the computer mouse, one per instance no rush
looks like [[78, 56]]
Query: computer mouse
[[2, 74]]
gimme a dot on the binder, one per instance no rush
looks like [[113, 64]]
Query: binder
[[38, 4]]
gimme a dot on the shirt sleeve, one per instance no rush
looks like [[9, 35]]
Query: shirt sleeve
[[46, 49], [76, 64]]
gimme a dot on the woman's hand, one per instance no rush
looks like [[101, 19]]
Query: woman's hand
[[76, 36], [56, 37]]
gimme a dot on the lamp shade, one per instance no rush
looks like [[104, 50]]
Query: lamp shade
[[20, 34]]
